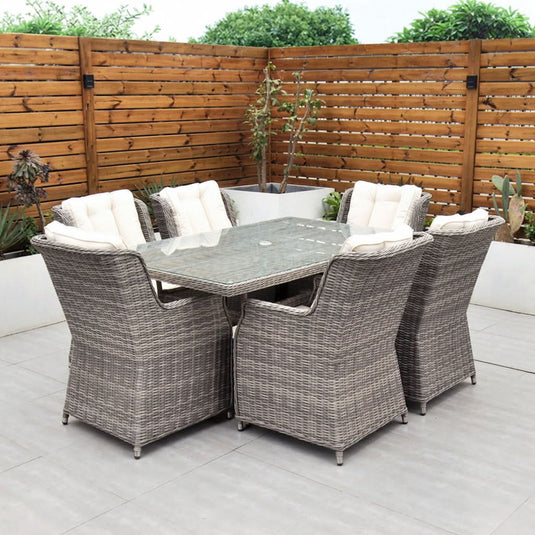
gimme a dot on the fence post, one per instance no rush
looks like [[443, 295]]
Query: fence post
[[470, 125], [88, 106]]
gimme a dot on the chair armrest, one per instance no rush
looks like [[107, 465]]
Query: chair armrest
[[345, 203], [229, 207], [144, 220], [164, 214], [62, 216]]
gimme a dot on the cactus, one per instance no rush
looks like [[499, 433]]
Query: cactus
[[513, 205]]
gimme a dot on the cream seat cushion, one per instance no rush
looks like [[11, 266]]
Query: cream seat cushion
[[197, 207], [86, 239], [382, 206], [368, 243], [110, 213], [459, 222]]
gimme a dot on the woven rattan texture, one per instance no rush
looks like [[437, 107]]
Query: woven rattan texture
[[140, 369], [165, 214], [328, 374], [433, 342], [417, 217]]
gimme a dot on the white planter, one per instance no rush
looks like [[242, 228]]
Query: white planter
[[298, 201], [507, 278], [28, 298]]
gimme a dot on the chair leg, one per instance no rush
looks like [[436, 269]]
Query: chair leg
[[137, 452], [242, 425], [339, 457], [474, 379], [404, 418], [65, 418], [423, 407], [230, 414]]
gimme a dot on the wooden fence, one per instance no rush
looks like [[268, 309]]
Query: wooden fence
[[175, 113]]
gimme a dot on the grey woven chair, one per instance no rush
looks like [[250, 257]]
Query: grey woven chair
[[140, 369], [417, 219], [433, 343], [64, 217], [328, 374], [164, 214]]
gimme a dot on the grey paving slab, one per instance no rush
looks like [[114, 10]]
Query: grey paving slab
[[109, 463], [54, 365], [492, 420], [242, 495], [39, 497], [480, 317], [32, 344], [128, 519], [521, 522], [36, 425], [18, 384], [465, 495], [13, 454], [513, 352]]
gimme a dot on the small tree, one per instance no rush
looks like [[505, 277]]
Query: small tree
[[302, 112], [27, 169], [468, 19], [284, 24], [54, 19], [259, 119]]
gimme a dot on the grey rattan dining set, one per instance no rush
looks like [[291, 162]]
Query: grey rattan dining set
[[280, 323]]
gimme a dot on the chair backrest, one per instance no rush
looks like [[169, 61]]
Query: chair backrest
[[100, 291], [365, 293], [395, 206], [113, 212], [382, 205], [450, 267], [191, 209]]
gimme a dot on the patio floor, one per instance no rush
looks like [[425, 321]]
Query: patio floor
[[468, 467]]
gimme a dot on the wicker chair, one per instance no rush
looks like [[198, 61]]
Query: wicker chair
[[417, 218], [328, 373], [165, 214], [433, 343], [140, 369]]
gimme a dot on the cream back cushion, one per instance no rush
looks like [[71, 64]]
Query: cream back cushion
[[382, 205], [459, 222], [367, 243], [86, 239], [197, 207], [108, 213]]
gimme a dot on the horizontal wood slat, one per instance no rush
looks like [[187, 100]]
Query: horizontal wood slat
[[175, 112]]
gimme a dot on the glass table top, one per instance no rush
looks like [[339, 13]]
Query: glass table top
[[238, 259]]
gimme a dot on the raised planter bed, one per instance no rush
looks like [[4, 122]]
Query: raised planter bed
[[27, 295], [506, 279], [298, 201]]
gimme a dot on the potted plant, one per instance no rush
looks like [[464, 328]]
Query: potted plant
[[25, 284], [257, 202], [505, 279]]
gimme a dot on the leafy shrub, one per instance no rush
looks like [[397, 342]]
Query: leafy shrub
[[468, 19], [284, 24], [54, 19]]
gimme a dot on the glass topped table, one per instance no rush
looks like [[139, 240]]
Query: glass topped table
[[242, 259]]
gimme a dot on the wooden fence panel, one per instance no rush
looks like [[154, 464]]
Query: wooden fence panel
[[172, 112], [506, 118], [41, 109], [175, 112], [393, 112]]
